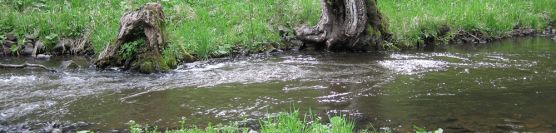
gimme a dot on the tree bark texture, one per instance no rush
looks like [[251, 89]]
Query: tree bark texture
[[346, 25], [145, 23]]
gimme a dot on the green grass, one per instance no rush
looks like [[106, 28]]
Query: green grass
[[212, 28], [291, 122], [283, 122], [410, 20], [204, 28]]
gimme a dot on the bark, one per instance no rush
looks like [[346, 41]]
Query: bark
[[346, 24], [145, 23], [26, 65]]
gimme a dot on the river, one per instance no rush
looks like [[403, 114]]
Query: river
[[508, 85]]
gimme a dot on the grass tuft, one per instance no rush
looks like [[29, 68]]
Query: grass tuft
[[291, 122]]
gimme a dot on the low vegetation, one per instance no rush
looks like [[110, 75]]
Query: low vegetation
[[212, 28], [291, 122], [412, 20], [204, 28], [284, 122]]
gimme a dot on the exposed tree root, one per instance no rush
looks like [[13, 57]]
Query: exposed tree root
[[26, 65], [346, 24]]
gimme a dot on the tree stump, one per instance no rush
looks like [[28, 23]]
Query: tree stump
[[145, 25], [346, 25]]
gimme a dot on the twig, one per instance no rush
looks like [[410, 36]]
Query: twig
[[26, 65]]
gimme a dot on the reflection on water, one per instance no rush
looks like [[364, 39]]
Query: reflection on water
[[505, 86]]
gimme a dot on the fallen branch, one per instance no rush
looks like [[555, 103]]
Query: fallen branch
[[26, 65]]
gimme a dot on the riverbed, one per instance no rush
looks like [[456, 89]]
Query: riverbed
[[508, 85]]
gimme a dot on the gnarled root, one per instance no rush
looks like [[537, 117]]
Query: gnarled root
[[26, 65], [345, 24]]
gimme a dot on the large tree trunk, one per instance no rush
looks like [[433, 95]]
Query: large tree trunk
[[147, 24], [346, 25]]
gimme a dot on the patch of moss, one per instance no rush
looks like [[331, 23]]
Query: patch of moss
[[147, 67], [148, 63], [373, 32], [172, 63]]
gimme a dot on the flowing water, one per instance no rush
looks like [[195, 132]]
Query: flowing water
[[504, 86]]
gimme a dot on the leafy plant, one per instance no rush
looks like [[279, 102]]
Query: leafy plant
[[284, 122], [128, 50], [2, 38], [14, 48], [51, 39], [134, 127]]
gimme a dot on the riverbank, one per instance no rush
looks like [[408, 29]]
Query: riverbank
[[216, 28], [205, 29], [440, 22]]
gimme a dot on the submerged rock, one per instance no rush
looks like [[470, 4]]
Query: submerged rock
[[508, 127], [69, 65]]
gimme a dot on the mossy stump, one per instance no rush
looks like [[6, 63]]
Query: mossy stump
[[346, 25], [145, 25]]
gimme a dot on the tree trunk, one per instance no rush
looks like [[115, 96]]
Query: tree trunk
[[346, 25], [147, 24]]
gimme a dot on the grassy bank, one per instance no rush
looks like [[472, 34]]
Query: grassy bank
[[203, 28], [209, 28], [411, 20]]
